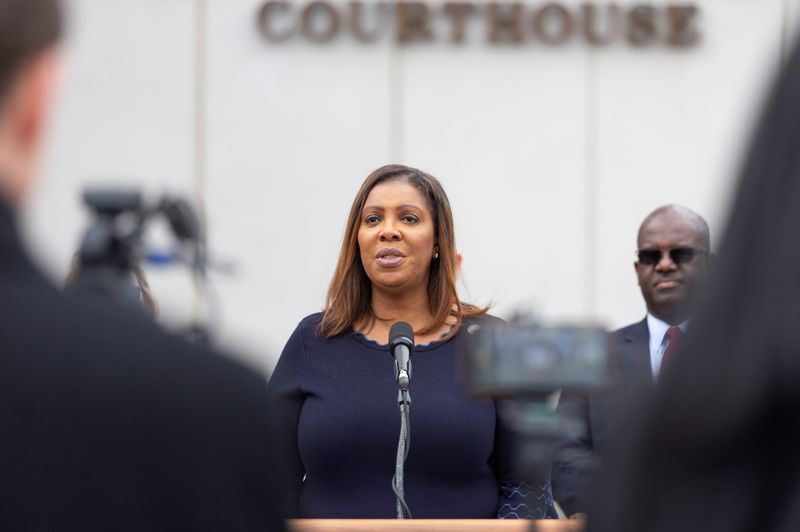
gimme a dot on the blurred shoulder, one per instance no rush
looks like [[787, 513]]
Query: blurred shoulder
[[128, 344], [81, 353]]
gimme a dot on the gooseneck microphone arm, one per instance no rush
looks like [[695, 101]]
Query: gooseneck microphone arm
[[401, 343]]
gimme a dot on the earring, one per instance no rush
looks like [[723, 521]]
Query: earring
[[436, 255]]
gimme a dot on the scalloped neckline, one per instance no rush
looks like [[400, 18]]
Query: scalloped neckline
[[433, 344]]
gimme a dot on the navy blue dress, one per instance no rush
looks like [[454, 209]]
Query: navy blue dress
[[336, 401]]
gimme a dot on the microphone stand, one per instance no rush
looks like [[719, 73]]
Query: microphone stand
[[404, 443]]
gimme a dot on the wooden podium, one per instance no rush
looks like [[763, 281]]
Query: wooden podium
[[434, 525]]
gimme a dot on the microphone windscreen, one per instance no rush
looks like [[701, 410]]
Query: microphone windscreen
[[401, 333]]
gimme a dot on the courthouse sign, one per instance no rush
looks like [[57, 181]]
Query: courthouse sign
[[500, 23]]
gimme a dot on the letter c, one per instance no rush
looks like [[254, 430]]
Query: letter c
[[265, 21]]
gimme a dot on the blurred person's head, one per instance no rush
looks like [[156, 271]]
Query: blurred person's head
[[29, 32], [399, 238], [673, 253]]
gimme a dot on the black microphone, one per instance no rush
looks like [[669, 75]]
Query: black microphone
[[401, 342]]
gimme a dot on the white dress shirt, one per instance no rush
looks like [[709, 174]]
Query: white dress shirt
[[659, 341]]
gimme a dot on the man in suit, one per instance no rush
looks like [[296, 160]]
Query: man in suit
[[107, 422], [673, 254]]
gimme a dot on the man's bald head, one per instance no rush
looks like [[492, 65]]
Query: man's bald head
[[678, 212]]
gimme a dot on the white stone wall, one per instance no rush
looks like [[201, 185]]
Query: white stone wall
[[551, 155]]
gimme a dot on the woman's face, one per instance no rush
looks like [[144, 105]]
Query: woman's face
[[396, 237]]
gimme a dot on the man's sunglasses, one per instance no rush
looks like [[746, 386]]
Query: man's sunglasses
[[651, 257]]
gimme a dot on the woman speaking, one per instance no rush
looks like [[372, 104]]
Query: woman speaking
[[334, 388]]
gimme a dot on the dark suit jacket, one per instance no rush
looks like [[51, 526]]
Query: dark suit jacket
[[108, 423], [579, 455]]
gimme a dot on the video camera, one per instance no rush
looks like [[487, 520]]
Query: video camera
[[112, 247], [529, 361], [525, 364]]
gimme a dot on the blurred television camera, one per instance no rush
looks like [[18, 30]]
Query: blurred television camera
[[526, 365], [112, 250]]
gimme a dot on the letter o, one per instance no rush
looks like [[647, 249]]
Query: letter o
[[541, 27], [328, 15]]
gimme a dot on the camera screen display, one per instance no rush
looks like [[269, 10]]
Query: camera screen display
[[507, 360]]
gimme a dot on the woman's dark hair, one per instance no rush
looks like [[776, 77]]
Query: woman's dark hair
[[718, 447], [350, 294]]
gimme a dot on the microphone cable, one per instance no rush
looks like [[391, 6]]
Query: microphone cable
[[403, 445]]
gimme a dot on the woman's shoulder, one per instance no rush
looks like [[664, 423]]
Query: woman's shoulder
[[309, 327], [311, 321]]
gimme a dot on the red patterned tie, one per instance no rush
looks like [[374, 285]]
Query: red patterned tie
[[674, 336]]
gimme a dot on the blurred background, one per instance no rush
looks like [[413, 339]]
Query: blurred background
[[551, 153]]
